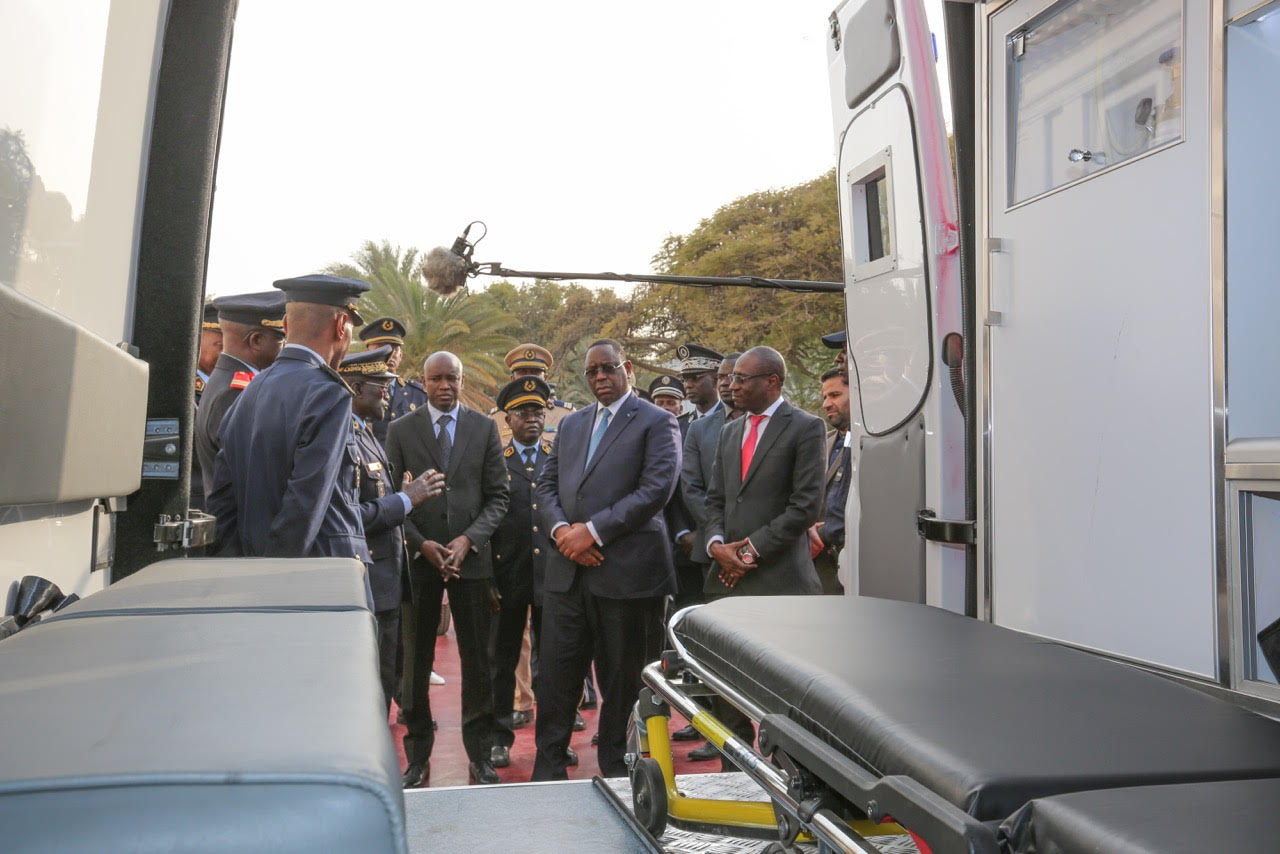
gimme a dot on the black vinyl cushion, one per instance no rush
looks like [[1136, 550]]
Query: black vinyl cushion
[[986, 717], [1192, 818]]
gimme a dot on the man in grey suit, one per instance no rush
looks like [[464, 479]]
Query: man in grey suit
[[612, 469], [766, 488], [449, 539]]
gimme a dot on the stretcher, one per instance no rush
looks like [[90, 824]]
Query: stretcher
[[959, 731]]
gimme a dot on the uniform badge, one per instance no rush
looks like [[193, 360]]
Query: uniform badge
[[388, 325], [529, 354], [199, 385], [546, 447], [530, 385], [682, 352], [509, 452], [240, 380]]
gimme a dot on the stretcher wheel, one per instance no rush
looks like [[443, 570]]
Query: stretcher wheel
[[649, 795]]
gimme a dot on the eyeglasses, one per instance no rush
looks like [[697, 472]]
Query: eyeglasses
[[742, 378], [606, 369]]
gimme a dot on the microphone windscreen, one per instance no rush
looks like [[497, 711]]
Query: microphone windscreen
[[445, 271]]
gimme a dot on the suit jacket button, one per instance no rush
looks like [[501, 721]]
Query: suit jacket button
[[739, 499], [535, 529], [537, 551], [535, 506]]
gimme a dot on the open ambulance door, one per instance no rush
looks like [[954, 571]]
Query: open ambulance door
[[902, 278]]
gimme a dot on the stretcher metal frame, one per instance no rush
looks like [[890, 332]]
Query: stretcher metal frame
[[817, 793]]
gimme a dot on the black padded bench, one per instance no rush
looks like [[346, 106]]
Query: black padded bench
[[984, 718], [1192, 818], [201, 706]]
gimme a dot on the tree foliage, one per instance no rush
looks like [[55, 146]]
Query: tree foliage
[[471, 325], [793, 233]]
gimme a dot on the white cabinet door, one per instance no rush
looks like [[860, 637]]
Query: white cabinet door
[[1098, 291]]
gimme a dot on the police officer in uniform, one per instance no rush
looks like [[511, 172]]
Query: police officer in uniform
[[287, 480], [667, 391], [210, 347], [530, 360], [253, 333], [382, 508], [406, 395]]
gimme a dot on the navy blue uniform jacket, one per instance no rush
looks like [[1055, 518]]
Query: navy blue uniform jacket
[[622, 492], [286, 481], [382, 514], [520, 545]]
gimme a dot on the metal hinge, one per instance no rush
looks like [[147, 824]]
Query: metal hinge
[[835, 31], [1018, 44], [935, 530], [160, 450], [174, 532]]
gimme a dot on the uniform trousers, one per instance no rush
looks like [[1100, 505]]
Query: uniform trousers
[[388, 641], [469, 602], [622, 633], [508, 638]]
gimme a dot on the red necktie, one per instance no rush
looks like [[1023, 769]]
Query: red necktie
[[749, 446]]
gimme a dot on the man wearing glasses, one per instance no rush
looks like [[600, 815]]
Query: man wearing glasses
[[286, 482], [612, 469]]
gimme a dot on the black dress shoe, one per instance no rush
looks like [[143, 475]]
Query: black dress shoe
[[686, 734], [570, 757], [704, 753], [417, 775], [519, 719], [578, 723], [482, 772], [500, 756]]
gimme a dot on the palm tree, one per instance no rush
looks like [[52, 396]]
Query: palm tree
[[469, 325]]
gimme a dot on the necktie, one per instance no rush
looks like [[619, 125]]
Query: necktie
[[598, 435], [446, 443], [528, 457], [749, 446]]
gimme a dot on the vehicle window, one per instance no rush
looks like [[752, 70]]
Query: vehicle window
[[1091, 84]]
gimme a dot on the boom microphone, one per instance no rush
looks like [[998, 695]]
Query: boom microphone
[[446, 270]]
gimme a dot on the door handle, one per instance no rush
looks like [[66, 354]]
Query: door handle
[[996, 295]]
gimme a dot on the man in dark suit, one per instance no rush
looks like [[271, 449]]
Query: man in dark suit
[[520, 548], [253, 327], [826, 537], [613, 468], [449, 539], [405, 395], [286, 483], [766, 488], [382, 508]]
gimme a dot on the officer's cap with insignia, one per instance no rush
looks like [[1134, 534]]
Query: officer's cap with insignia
[[265, 309], [836, 340], [696, 359], [210, 318], [529, 356], [667, 386], [367, 364], [384, 330], [325, 290], [523, 391]]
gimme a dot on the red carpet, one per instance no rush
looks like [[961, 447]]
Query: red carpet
[[449, 759]]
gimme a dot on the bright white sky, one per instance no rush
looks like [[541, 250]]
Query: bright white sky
[[581, 132]]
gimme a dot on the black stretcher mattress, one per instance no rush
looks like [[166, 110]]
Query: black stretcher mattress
[[1191, 818], [986, 717]]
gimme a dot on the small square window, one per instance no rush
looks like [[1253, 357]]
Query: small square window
[[871, 214]]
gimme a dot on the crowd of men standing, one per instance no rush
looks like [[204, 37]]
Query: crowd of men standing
[[569, 534]]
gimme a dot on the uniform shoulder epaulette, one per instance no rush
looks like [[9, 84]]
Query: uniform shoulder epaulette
[[546, 447], [240, 380], [199, 384], [416, 385], [510, 451]]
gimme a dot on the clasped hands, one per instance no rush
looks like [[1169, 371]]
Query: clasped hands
[[447, 559], [732, 567], [576, 543]]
